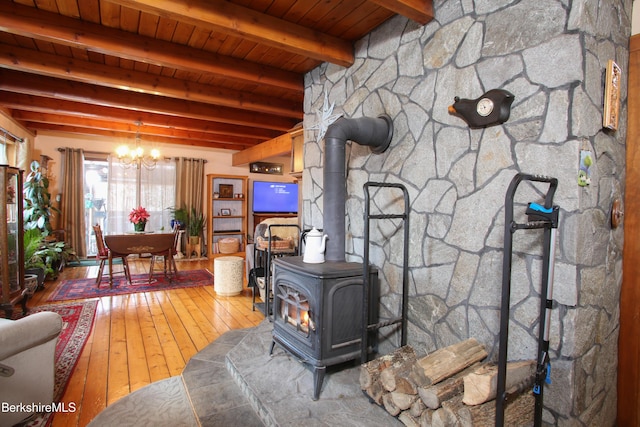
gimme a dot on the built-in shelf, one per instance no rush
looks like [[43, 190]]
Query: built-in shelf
[[227, 216]]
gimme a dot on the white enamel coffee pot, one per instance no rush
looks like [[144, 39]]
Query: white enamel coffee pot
[[315, 246]]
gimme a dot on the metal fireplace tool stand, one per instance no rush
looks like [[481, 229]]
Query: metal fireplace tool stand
[[539, 217], [404, 216]]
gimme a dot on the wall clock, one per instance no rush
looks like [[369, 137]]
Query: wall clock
[[492, 108]]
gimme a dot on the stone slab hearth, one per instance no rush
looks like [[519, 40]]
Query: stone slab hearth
[[280, 388], [234, 381]]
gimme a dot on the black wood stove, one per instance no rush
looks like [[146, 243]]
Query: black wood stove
[[317, 312]]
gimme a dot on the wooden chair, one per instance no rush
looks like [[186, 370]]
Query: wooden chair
[[103, 256], [168, 257]]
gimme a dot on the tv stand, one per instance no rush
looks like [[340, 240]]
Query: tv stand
[[259, 217]]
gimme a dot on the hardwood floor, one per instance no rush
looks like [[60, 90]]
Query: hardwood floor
[[141, 338]]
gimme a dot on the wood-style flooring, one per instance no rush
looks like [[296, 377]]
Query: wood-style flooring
[[145, 337]]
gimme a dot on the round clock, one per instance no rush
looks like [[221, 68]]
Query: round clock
[[484, 107]]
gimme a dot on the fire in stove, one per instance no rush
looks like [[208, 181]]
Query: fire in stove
[[295, 309]]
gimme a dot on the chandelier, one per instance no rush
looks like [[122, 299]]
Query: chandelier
[[136, 156]]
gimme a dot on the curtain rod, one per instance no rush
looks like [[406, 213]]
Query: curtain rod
[[102, 153], [15, 137]]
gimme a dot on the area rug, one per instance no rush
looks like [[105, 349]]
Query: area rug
[[86, 288], [77, 320]]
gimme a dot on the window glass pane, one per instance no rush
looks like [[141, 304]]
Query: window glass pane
[[131, 187], [157, 194], [95, 184]]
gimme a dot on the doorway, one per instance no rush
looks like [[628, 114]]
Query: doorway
[[96, 178], [629, 339]]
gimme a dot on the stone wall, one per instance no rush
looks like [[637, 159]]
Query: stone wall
[[551, 54]]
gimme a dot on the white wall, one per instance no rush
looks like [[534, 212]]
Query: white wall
[[218, 161], [635, 19]]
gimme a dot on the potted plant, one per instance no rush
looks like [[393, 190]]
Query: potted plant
[[38, 207], [195, 226], [57, 254], [138, 217], [180, 217], [45, 251], [34, 255]]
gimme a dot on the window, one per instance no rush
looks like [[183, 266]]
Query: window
[[96, 173], [111, 191], [132, 187]]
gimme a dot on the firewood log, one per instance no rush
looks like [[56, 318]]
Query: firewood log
[[443, 418], [389, 405], [402, 400], [370, 371], [451, 407], [417, 408], [408, 420], [399, 379], [447, 361], [518, 412], [434, 395], [481, 385], [426, 417], [398, 374], [375, 392]]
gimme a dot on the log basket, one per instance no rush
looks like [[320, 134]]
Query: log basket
[[228, 245]]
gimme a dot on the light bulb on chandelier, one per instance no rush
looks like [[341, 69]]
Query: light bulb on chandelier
[[134, 157]]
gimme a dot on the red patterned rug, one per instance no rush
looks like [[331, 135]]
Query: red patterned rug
[[86, 288], [77, 320]]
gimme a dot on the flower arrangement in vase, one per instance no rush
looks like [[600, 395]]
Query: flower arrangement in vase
[[138, 216]]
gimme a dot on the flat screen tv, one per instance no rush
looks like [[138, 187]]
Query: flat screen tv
[[275, 197]]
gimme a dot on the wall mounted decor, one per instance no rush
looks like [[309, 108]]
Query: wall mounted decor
[[263, 167], [492, 108], [613, 78], [226, 191], [584, 170]]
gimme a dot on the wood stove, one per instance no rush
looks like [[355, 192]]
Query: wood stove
[[317, 312]]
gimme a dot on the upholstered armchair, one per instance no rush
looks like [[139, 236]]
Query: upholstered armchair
[[27, 363]]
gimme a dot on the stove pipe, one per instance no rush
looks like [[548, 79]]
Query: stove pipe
[[374, 132]]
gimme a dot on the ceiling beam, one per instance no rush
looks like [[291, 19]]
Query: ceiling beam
[[125, 135], [52, 27], [33, 61], [132, 128], [26, 107], [278, 146], [249, 24], [420, 11], [14, 81]]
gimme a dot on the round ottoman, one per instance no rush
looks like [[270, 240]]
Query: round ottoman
[[227, 275]]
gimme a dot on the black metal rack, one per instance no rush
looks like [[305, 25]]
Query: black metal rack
[[263, 259], [539, 217], [404, 216]]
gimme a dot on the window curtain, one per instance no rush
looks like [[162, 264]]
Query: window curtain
[[131, 187], [72, 216], [189, 186], [190, 183]]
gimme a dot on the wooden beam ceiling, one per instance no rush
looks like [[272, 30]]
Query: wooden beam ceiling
[[51, 27], [251, 25], [226, 74]]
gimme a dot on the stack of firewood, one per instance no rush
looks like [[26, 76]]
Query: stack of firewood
[[450, 387]]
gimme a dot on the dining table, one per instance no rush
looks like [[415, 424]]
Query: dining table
[[154, 244]]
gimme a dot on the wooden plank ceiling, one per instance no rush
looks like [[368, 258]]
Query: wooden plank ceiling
[[214, 73]]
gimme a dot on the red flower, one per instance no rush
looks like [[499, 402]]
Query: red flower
[[138, 215]]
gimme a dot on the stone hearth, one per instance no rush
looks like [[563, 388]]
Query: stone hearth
[[280, 388], [234, 381]]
